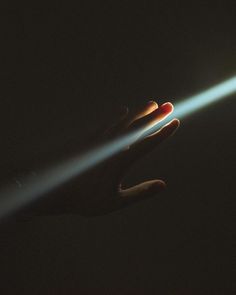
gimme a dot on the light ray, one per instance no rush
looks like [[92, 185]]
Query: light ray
[[33, 187]]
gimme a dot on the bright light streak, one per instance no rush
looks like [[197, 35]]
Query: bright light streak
[[194, 103], [35, 186]]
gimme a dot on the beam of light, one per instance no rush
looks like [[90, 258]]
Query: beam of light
[[199, 101], [33, 187]]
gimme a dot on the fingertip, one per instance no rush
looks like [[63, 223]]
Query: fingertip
[[172, 124], [159, 185], [153, 103], [176, 122], [151, 107], [167, 107], [172, 127]]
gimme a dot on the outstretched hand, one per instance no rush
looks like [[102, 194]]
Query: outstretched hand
[[99, 190]]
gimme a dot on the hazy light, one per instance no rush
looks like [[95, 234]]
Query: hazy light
[[194, 103], [35, 186]]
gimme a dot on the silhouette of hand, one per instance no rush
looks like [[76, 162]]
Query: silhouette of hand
[[99, 190]]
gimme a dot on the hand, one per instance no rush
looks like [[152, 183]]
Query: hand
[[99, 190]]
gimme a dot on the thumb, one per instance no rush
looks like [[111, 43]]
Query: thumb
[[142, 191], [130, 196]]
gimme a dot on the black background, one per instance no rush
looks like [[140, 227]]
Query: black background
[[67, 69]]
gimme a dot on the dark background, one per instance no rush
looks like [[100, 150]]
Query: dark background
[[66, 70]]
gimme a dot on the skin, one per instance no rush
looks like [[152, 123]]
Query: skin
[[99, 191]]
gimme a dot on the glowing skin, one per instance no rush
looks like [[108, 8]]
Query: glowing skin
[[34, 187], [196, 102]]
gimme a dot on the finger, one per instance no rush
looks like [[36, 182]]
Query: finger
[[141, 112], [141, 191], [128, 118], [128, 197], [154, 117], [151, 142]]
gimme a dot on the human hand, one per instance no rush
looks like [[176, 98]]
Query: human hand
[[99, 190]]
